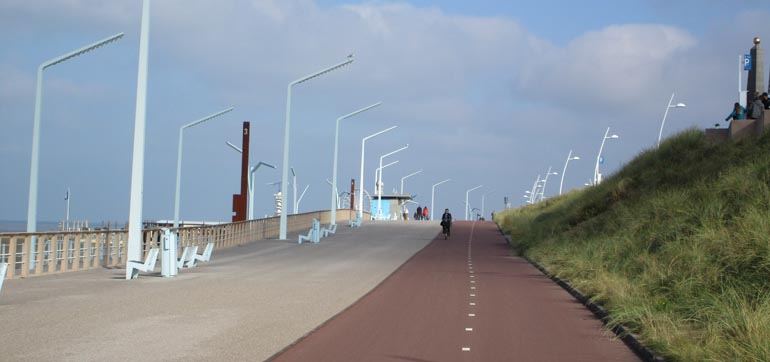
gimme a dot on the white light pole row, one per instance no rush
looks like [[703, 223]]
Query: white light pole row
[[379, 181], [467, 206], [287, 131], [361, 178], [334, 167]]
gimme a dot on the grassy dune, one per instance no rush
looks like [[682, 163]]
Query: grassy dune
[[676, 246]]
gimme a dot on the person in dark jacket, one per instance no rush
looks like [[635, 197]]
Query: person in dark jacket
[[756, 109], [765, 100], [419, 213], [446, 223]]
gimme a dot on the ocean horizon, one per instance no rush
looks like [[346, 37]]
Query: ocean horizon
[[12, 226]]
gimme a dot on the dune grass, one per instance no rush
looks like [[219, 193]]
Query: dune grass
[[676, 246]]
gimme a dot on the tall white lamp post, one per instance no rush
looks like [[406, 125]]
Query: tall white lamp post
[[251, 186], [361, 177], [179, 160], [379, 181], [334, 167], [569, 158], [597, 174], [433, 194], [483, 196], [287, 129], [404, 178], [467, 206], [134, 247], [678, 105], [294, 189], [379, 169], [34, 164]]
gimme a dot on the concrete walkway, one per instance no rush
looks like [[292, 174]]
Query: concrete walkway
[[247, 304]]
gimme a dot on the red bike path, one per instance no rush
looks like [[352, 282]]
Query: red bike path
[[463, 299]]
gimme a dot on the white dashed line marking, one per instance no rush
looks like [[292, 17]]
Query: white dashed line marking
[[473, 281], [471, 303], [473, 295], [471, 315], [473, 287], [466, 349], [469, 329]]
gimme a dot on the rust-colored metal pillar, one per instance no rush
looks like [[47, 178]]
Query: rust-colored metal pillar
[[240, 201], [352, 194]]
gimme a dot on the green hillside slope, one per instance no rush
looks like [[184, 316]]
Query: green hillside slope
[[676, 246]]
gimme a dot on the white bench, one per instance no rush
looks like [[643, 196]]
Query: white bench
[[205, 257], [188, 257], [3, 269], [133, 267], [355, 223], [313, 235], [332, 229]]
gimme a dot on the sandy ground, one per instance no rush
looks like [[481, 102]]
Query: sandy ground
[[248, 303]]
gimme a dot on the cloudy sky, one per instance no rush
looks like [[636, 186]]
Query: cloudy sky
[[484, 92]]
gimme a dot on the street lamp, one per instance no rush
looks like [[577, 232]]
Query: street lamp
[[34, 163], [533, 193], [361, 179], [569, 158], [287, 128], [254, 169], [179, 160], [251, 186], [597, 175], [404, 178], [433, 193], [334, 168], [378, 170], [678, 105], [466, 200], [545, 181], [294, 186], [483, 196], [379, 183], [134, 242]]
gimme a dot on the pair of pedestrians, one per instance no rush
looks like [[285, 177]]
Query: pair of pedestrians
[[421, 213]]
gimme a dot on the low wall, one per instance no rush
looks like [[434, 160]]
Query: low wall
[[59, 252], [739, 129]]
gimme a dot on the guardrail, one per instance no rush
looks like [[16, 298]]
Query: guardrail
[[66, 251]]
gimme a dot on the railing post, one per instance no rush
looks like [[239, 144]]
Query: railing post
[[12, 257], [39, 258]]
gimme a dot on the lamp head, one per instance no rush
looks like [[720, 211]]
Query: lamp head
[[680, 105], [614, 136], [576, 158]]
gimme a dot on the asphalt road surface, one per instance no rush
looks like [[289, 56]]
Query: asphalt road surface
[[463, 299], [247, 304]]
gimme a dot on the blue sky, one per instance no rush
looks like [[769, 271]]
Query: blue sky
[[485, 92]]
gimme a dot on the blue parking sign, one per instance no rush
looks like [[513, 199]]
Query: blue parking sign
[[747, 62]]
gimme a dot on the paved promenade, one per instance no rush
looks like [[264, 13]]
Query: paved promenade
[[247, 304], [463, 299]]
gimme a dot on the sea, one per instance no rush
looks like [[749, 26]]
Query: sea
[[10, 226]]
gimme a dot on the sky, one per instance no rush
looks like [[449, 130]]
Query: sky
[[484, 92]]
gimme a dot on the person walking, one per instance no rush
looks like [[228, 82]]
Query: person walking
[[418, 216], [425, 214], [446, 223]]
